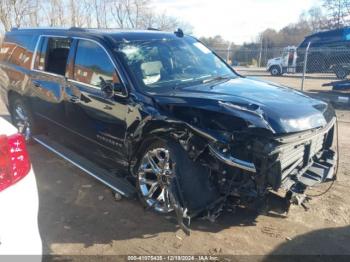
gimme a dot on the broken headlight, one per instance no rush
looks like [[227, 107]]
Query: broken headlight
[[228, 156]]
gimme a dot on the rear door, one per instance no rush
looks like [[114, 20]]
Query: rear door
[[95, 118], [49, 80]]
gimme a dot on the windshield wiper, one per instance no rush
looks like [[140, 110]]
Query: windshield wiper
[[217, 78]]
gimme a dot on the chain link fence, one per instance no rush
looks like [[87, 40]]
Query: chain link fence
[[310, 68], [244, 56]]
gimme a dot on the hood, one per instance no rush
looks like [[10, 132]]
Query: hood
[[272, 60], [261, 104]]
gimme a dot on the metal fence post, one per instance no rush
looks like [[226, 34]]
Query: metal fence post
[[228, 58], [305, 64]]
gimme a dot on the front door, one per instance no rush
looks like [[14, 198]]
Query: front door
[[96, 119]]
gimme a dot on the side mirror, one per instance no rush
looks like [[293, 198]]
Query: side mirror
[[119, 88], [107, 90]]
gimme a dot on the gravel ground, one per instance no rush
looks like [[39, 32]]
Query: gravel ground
[[79, 216]]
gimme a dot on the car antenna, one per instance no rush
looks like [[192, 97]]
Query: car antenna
[[179, 32]]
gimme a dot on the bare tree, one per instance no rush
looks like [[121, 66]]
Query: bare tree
[[119, 13], [34, 14], [338, 12], [101, 13], [164, 22], [316, 19], [21, 11], [6, 14], [80, 13], [55, 13], [15, 13], [84, 13]]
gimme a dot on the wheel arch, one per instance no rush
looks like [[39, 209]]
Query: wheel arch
[[12, 94], [192, 139], [151, 132], [276, 66]]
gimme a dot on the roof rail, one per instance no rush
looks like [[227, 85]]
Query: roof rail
[[38, 28], [153, 29], [73, 28]]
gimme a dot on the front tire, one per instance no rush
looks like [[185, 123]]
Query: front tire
[[160, 163], [275, 71], [154, 173]]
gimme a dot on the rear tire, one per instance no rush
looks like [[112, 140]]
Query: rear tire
[[22, 118], [340, 72]]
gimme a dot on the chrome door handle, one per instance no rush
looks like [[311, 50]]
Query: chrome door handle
[[36, 83], [74, 99]]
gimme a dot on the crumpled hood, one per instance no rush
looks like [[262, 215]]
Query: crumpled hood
[[281, 109]]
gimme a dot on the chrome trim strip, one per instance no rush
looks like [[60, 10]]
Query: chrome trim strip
[[74, 81], [48, 73], [35, 53], [80, 167], [81, 83], [92, 86], [232, 161]]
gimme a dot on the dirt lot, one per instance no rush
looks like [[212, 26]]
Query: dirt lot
[[80, 216]]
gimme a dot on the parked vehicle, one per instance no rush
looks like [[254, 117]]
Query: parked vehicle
[[328, 52], [19, 233], [283, 64], [160, 114]]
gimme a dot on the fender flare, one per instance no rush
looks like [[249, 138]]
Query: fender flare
[[278, 65]]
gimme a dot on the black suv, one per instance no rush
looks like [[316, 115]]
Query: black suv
[[161, 115]]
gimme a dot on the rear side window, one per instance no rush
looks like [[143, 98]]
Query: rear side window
[[6, 50], [92, 65], [52, 55], [18, 49]]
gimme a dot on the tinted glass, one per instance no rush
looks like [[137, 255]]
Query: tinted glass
[[18, 48], [39, 62], [52, 55], [92, 65], [158, 65], [57, 55]]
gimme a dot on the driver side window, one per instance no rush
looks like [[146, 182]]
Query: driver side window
[[92, 65]]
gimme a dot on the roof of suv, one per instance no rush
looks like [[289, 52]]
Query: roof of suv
[[115, 34]]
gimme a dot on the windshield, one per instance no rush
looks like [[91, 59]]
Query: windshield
[[158, 65]]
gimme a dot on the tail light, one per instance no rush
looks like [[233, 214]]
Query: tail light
[[14, 160]]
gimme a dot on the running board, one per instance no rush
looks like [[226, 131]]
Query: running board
[[118, 184]]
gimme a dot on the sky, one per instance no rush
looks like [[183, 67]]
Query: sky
[[238, 21]]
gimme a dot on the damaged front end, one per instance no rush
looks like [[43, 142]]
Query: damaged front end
[[290, 163], [250, 165]]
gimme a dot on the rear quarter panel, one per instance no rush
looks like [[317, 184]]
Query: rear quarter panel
[[16, 56]]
